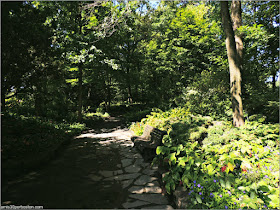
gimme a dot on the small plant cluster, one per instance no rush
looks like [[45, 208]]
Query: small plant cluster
[[22, 135], [221, 166]]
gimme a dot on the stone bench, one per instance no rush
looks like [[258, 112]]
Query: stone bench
[[148, 141]]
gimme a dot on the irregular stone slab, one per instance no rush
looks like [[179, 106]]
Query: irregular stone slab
[[153, 189], [114, 146], [181, 196], [123, 148], [134, 150], [94, 177], [123, 177], [137, 189], [107, 186], [134, 204], [121, 140], [154, 167], [89, 156], [126, 162], [152, 198], [110, 178], [128, 176], [139, 161], [117, 172], [132, 169], [149, 172], [144, 179], [153, 184], [105, 142], [168, 207], [106, 173], [144, 165], [128, 155], [119, 165], [127, 183], [137, 155], [127, 145]]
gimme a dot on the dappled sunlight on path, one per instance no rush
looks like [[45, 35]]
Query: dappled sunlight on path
[[120, 134], [98, 169]]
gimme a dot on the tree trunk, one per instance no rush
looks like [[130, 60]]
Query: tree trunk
[[38, 99], [80, 74], [234, 66], [274, 81], [109, 91], [38, 104], [3, 102], [236, 23], [89, 93], [129, 86], [80, 91]]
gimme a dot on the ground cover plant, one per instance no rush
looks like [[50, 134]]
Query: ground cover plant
[[28, 140], [219, 165]]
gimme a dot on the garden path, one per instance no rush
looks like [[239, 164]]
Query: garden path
[[98, 169]]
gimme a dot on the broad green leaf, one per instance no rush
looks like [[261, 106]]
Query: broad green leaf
[[210, 169], [252, 195], [160, 150], [223, 157], [243, 150], [262, 182], [228, 186], [167, 187], [73, 69], [246, 164], [274, 200], [181, 162], [185, 180], [222, 183], [223, 149], [72, 81], [231, 166], [198, 199], [241, 188], [254, 186], [172, 158]]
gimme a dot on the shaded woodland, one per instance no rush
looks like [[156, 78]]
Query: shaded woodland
[[61, 60], [204, 72]]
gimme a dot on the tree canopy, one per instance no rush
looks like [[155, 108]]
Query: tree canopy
[[69, 58]]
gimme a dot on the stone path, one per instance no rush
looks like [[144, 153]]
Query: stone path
[[134, 175], [99, 169]]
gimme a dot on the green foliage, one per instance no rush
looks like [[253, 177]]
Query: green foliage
[[123, 58], [162, 120], [169, 56], [221, 166], [97, 114], [24, 135]]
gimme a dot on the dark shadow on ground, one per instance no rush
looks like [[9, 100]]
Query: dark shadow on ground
[[72, 179]]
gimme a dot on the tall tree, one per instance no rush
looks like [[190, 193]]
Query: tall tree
[[234, 62], [236, 23], [26, 55]]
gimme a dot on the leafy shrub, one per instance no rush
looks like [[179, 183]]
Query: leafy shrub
[[135, 115], [221, 166], [96, 115], [207, 101], [165, 120], [22, 135]]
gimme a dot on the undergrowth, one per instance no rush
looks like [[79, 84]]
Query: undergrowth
[[219, 165]]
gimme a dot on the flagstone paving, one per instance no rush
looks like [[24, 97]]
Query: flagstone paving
[[97, 170]]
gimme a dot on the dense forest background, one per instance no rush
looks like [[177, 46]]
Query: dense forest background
[[206, 72], [62, 60]]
